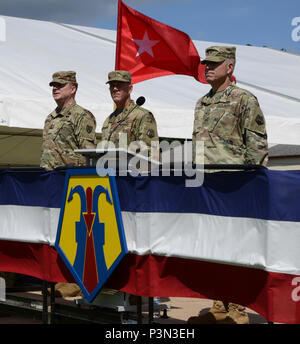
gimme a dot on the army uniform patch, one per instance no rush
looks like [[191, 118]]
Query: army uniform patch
[[89, 129], [259, 120], [150, 133]]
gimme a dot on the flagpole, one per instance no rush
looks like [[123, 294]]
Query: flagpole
[[119, 28]]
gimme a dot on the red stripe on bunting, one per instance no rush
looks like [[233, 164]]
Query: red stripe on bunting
[[276, 296]]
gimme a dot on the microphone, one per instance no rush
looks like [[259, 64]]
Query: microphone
[[140, 101]]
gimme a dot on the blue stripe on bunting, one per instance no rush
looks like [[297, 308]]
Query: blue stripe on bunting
[[262, 194], [32, 188]]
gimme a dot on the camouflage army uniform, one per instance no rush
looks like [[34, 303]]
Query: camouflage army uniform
[[134, 121], [71, 128], [137, 123], [232, 126], [65, 130]]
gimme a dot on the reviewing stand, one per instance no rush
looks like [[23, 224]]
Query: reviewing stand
[[123, 162]]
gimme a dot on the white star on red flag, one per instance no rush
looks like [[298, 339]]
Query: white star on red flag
[[145, 45]]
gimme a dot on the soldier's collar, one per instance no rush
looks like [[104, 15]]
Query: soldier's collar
[[65, 110], [220, 97], [129, 106], [124, 112]]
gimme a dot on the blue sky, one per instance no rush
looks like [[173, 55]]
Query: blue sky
[[256, 22]]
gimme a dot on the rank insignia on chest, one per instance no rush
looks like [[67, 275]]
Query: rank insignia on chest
[[90, 237]]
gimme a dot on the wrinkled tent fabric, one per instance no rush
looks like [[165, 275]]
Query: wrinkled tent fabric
[[33, 50]]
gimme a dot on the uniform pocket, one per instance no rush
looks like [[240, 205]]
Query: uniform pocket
[[65, 132], [222, 123]]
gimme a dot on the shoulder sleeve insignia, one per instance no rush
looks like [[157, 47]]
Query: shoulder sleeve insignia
[[259, 120], [150, 133], [89, 129]]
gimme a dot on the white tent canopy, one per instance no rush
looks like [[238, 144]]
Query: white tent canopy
[[33, 50]]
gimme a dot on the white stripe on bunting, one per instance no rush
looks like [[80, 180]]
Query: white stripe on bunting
[[264, 244]]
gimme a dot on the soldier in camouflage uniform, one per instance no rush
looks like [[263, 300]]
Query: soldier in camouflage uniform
[[129, 119], [229, 120], [232, 126], [66, 128]]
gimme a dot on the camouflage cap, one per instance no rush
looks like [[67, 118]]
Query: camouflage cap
[[219, 54], [119, 75], [63, 77]]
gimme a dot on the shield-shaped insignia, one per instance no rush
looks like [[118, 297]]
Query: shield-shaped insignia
[[90, 237]]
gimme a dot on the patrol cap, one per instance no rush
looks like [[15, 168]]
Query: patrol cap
[[219, 54], [63, 77], [119, 75]]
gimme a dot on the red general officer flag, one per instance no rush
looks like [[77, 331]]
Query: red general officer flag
[[149, 49]]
